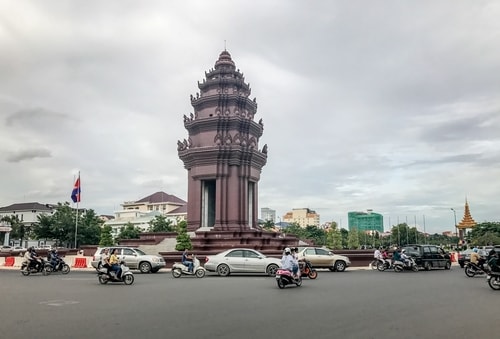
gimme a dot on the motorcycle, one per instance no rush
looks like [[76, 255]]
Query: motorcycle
[[61, 266], [493, 279], [179, 269], [285, 277], [472, 269], [385, 264], [42, 266], [127, 277], [410, 264], [306, 269]]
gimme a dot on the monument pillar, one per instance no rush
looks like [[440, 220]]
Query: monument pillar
[[221, 153]]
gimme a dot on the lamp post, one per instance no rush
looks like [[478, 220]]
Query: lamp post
[[456, 230]]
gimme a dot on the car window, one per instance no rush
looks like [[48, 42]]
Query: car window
[[427, 249], [310, 251], [441, 251], [235, 253], [128, 251], [320, 251], [139, 252], [251, 254], [434, 249]]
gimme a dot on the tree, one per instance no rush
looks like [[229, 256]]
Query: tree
[[160, 224], [19, 231], [183, 239], [486, 233], [268, 224], [89, 228], [129, 232], [336, 236], [353, 239], [106, 237]]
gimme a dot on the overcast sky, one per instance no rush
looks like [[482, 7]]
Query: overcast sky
[[386, 105]]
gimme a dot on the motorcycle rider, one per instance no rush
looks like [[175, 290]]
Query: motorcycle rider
[[475, 258], [105, 260], [287, 262], [53, 258], [187, 260], [404, 258], [295, 261], [396, 256], [114, 263], [493, 262]]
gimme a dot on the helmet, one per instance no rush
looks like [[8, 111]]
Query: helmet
[[287, 250], [475, 249]]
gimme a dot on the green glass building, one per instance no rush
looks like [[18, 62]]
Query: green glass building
[[366, 221]]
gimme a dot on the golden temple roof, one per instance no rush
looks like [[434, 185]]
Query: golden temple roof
[[467, 220]]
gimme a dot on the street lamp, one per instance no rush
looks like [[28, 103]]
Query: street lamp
[[456, 230]]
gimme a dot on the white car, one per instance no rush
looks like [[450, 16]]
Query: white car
[[241, 260], [6, 248]]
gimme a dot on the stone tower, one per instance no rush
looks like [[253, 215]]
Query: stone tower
[[221, 153]]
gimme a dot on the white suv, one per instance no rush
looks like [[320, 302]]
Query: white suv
[[134, 258]]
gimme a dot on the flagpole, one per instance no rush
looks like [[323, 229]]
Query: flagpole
[[76, 217]]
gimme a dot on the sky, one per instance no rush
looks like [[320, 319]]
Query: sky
[[392, 106]]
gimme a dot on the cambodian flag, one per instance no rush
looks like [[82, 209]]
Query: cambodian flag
[[75, 194]]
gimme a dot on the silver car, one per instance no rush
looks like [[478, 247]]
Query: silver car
[[241, 260], [134, 259]]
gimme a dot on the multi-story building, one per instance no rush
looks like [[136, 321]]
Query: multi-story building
[[302, 216], [268, 214], [366, 221], [139, 213]]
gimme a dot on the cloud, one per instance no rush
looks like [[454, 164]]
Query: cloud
[[28, 155]]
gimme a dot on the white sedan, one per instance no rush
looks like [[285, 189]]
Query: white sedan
[[241, 260]]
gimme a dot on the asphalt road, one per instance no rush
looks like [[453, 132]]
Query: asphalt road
[[352, 304]]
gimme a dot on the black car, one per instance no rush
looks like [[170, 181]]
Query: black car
[[429, 256]]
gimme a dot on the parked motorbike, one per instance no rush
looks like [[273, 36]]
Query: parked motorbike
[[127, 277], [42, 266], [61, 266], [400, 266], [472, 269], [493, 279], [306, 269], [285, 277], [179, 269]]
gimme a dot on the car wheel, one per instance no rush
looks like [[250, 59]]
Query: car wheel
[[271, 270], [427, 266], [200, 273], [145, 267], [176, 272], [340, 266], [223, 270], [128, 279], [447, 266]]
